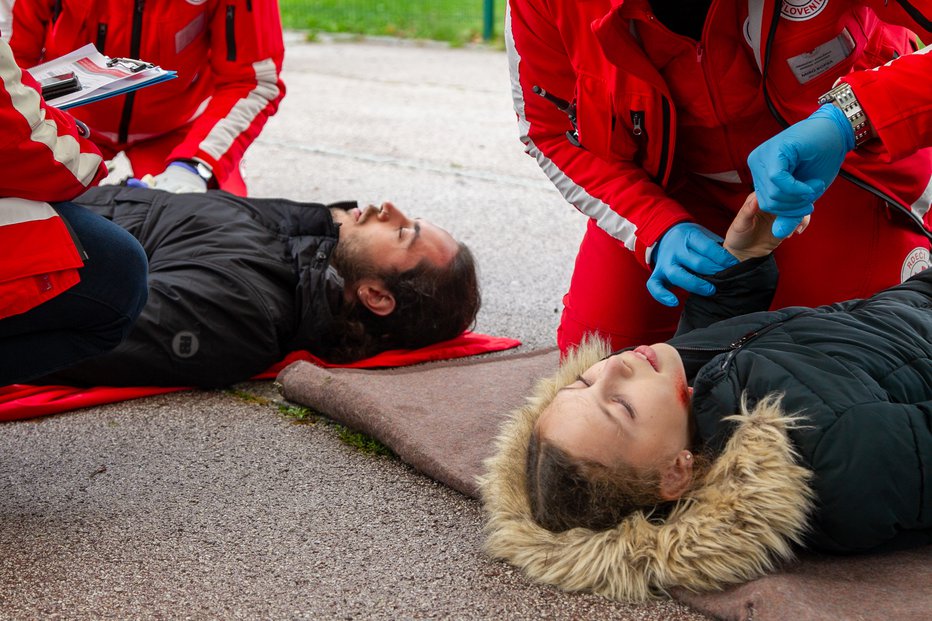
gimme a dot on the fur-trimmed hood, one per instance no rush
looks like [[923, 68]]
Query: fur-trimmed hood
[[737, 526]]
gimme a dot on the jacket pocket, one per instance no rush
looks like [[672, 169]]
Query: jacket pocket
[[594, 115], [638, 129], [630, 131]]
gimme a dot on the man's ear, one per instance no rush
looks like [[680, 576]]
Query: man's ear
[[677, 476], [374, 295]]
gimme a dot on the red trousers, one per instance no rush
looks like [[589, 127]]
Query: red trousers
[[854, 246]]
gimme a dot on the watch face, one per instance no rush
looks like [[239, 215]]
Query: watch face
[[204, 171]]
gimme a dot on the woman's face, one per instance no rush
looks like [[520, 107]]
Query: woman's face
[[632, 406]]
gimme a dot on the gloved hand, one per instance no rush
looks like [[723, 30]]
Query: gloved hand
[[793, 169], [686, 247], [179, 178], [133, 182]]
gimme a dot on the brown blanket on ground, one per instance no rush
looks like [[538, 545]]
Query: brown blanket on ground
[[441, 419]]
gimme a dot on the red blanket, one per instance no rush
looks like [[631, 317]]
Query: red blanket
[[26, 401]]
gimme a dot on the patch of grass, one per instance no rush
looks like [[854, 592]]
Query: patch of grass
[[455, 21], [298, 413], [356, 439], [361, 441], [248, 397]]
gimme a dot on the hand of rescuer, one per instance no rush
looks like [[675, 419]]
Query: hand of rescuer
[[686, 249], [793, 169], [179, 178]]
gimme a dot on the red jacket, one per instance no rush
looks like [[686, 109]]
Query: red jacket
[[43, 157], [651, 106], [228, 56]]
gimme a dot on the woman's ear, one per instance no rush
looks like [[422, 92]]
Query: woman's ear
[[677, 477], [374, 295]]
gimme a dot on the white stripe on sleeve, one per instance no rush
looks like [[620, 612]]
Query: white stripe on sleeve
[[607, 219], [65, 149], [244, 112]]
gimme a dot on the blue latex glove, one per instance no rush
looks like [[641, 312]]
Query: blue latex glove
[[133, 182], [793, 169], [686, 248]]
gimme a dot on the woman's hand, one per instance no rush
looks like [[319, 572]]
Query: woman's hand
[[750, 234]]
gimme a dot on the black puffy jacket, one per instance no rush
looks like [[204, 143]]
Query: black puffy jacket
[[860, 372], [234, 285]]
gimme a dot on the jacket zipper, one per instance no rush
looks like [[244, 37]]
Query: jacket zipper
[[231, 33], [101, 37], [135, 42], [569, 109], [736, 346], [662, 172], [637, 123], [916, 14]]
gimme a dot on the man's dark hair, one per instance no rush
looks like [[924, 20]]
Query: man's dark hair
[[432, 304]]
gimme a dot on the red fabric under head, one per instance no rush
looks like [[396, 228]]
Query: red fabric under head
[[18, 401]]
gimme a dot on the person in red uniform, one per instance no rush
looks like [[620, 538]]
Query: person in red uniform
[[643, 114], [190, 133], [71, 282]]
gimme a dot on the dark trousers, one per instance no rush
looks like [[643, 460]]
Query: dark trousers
[[89, 319]]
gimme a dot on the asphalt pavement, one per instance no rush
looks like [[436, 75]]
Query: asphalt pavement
[[212, 504]]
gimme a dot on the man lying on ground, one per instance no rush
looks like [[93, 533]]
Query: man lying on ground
[[237, 283]]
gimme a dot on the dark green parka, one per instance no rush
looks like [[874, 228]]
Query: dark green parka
[[860, 372]]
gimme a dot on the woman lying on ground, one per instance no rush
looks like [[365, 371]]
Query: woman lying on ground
[[701, 462]]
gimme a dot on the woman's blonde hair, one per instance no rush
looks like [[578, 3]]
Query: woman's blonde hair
[[565, 492]]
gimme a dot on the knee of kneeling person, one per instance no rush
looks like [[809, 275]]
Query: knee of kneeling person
[[133, 275]]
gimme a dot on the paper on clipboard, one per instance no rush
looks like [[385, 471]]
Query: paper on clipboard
[[100, 76]]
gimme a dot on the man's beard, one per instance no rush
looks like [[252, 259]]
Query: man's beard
[[352, 263]]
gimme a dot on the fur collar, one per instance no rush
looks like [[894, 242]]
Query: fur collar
[[739, 525]]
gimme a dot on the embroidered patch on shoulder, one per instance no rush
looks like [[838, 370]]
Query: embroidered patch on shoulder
[[916, 261], [798, 10]]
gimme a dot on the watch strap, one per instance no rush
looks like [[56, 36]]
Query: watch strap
[[203, 170], [843, 98]]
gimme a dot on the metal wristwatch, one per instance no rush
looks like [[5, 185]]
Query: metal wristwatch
[[843, 98]]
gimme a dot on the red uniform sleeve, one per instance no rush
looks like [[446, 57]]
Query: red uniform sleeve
[[43, 155], [31, 20], [619, 195], [897, 100], [246, 59]]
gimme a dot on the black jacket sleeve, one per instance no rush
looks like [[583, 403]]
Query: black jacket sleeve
[[744, 288]]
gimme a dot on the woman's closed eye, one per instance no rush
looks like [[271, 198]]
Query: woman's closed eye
[[629, 409], [627, 406]]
